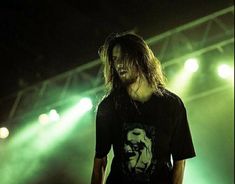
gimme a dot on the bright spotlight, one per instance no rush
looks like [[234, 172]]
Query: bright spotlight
[[225, 71], [4, 132], [191, 65], [85, 104], [68, 120], [43, 119], [181, 82], [53, 115]]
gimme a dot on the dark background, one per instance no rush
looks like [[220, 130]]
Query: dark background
[[42, 38]]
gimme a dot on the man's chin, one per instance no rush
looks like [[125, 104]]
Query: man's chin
[[127, 82]]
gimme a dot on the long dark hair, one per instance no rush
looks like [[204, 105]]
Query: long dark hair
[[134, 49]]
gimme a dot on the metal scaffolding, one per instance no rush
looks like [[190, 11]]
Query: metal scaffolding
[[212, 32]]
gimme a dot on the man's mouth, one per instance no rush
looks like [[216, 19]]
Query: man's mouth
[[122, 72]]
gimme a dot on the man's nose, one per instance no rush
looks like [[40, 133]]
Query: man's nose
[[120, 65]]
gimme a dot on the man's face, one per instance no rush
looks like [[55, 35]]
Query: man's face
[[126, 71]]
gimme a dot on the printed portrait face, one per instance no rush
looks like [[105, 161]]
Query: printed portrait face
[[138, 149]]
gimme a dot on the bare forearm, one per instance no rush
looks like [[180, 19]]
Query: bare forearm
[[178, 171], [98, 177], [99, 171]]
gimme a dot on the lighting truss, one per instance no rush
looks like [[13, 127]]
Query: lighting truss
[[212, 32]]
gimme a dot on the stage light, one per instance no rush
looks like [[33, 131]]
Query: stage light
[[225, 71], [59, 131], [4, 133], [85, 104], [53, 115], [43, 119], [180, 84], [42, 140], [191, 65]]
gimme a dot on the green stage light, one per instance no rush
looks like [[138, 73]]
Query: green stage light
[[43, 119], [4, 133], [53, 115], [191, 65], [40, 141], [59, 131], [181, 81], [85, 104], [225, 71]]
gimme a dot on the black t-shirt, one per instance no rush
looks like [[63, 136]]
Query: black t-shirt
[[144, 137]]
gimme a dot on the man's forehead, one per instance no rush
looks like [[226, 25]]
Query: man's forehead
[[119, 52], [116, 50]]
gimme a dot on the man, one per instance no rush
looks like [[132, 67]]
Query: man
[[144, 123]]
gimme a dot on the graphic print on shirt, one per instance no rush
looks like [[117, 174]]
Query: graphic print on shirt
[[139, 151]]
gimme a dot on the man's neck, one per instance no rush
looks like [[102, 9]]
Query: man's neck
[[140, 90]]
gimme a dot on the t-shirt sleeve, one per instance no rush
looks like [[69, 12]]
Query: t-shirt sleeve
[[103, 133], [181, 142]]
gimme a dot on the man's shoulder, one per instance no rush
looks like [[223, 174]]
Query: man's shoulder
[[171, 97], [106, 100], [105, 105]]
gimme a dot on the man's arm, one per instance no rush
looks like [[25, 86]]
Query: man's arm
[[99, 170], [178, 171]]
